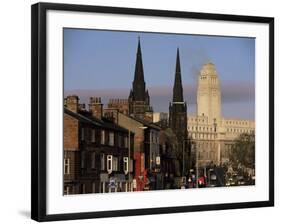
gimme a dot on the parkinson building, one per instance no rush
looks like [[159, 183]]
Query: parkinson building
[[211, 134]]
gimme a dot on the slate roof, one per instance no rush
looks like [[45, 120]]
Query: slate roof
[[145, 123], [85, 116]]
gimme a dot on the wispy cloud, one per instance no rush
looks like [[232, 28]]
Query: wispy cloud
[[233, 93], [197, 56]]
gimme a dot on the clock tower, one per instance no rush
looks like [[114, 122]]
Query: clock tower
[[209, 93]]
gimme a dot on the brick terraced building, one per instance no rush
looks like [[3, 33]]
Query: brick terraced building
[[95, 150]]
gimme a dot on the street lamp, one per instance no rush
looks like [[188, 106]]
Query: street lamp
[[183, 160], [183, 155], [216, 138], [140, 176], [129, 160], [143, 128], [197, 167], [197, 135]]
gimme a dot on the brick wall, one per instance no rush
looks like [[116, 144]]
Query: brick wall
[[70, 133], [75, 165]]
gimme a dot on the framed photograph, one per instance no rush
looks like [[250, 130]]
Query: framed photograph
[[139, 111]]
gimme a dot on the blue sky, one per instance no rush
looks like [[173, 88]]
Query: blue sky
[[102, 63]]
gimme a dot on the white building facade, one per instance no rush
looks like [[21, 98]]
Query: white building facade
[[211, 134]]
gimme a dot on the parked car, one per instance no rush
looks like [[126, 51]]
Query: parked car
[[241, 181], [212, 178], [231, 181]]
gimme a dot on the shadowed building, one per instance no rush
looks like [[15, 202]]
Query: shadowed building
[[139, 102], [96, 150], [146, 150], [120, 104], [178, 119]]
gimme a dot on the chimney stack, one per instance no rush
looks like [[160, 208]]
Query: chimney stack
[[82, 106], [71, 103], [96, 107]]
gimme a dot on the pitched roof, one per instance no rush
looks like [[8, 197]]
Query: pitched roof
[[85, 116], [81, 117], [144, 122]]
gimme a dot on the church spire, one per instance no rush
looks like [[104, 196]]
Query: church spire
[[139, 97], [139, 83], [178, 119], [177, 90]]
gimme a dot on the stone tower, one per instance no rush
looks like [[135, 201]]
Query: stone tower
[[209, 94], [178, 116], [139, 102]]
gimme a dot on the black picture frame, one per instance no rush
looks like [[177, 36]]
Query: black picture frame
[[38, 108]]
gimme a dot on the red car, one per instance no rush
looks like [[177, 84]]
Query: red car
[[201, 181]]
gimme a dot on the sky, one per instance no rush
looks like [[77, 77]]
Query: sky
[[101, 63]]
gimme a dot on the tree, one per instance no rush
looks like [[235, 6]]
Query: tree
[[243, 151]]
